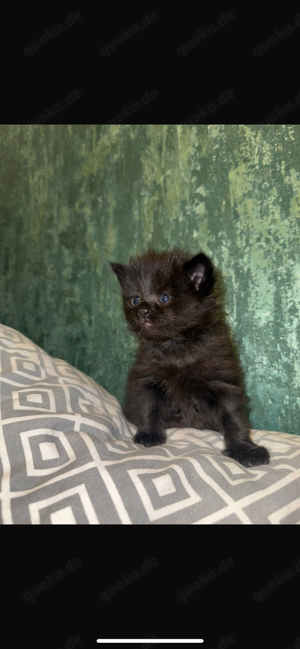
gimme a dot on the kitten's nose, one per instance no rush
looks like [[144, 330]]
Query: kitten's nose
[[143, 313]]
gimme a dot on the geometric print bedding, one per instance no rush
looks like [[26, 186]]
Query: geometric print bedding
[[67, 457]]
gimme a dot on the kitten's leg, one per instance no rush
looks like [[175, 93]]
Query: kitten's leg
[[238, 443], [143, 409]]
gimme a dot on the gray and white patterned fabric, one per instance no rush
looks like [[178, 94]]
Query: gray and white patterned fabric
[[67, 457]]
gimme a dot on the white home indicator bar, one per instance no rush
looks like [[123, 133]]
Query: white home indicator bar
[[149, 641]]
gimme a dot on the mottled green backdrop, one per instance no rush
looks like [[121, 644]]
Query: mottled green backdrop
[[74, 197]]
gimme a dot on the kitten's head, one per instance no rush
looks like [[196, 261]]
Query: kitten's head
[[166, 293]]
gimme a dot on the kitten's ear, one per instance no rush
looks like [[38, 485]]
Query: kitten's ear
[[199, 271], [119, 270]]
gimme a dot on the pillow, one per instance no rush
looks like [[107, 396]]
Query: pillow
[[68, 457]]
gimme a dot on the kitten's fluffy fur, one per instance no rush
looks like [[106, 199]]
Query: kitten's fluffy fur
[[186, 373]]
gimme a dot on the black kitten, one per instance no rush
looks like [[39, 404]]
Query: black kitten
[[186, 373]]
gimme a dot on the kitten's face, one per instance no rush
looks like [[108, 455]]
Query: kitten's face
[[163, 293]]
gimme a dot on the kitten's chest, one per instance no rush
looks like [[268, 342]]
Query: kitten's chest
[[177, 375], [178, 382]]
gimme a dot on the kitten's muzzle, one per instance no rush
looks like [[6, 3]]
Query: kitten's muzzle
[[143, 315]]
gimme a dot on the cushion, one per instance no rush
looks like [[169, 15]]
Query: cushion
[[67, 457]]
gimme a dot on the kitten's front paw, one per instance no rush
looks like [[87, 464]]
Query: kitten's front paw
[[148, 439], [254, 456]]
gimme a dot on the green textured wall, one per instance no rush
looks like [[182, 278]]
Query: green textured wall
[[73, 197]]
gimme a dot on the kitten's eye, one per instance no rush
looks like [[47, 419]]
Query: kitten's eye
[[135, 300], [164, 298]]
